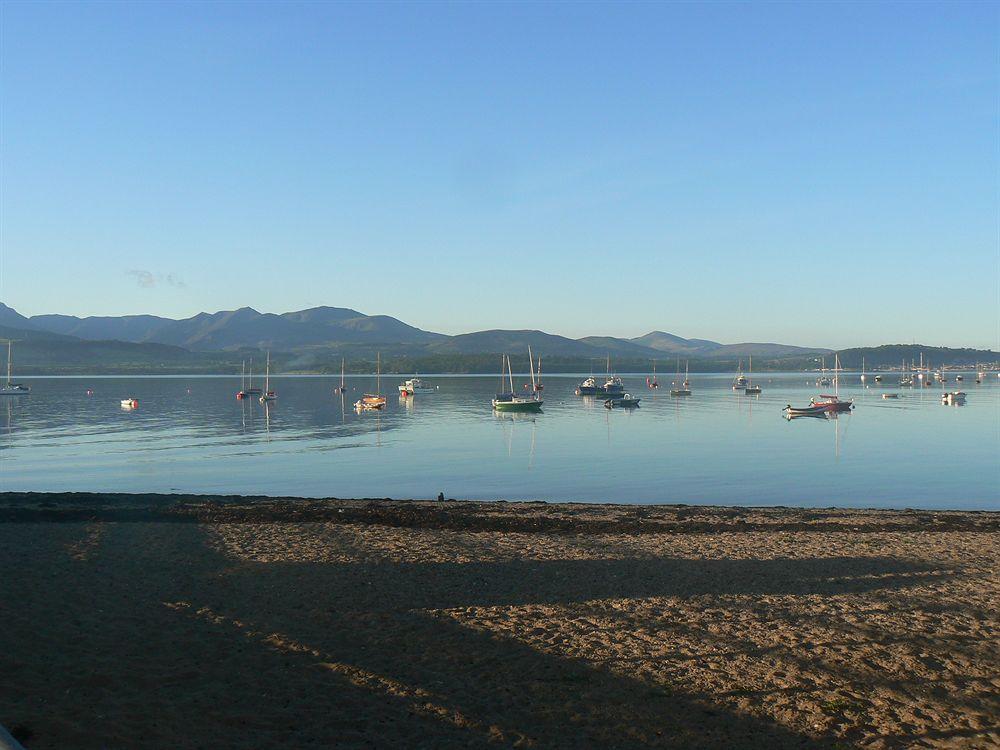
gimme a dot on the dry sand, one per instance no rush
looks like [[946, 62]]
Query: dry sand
[[185, 622]]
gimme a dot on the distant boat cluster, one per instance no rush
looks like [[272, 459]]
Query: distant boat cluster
[[612, 390]]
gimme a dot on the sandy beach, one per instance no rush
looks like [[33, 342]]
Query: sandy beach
[[198, 622]]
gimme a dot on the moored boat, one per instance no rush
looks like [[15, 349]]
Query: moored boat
[[954, 398], [831, 402], [740, 381], [624, 401], [509, 401], [414, 385], [373, 401], [268, 394], [10, 388], [804, 411], [342, 388], [685, 387], [130, 403], [751, 389]]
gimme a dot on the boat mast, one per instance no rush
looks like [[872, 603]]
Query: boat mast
[[243, 376], [510, 374], [531, 367], [378, 373], [341, 373], [251, 373], [267, 373], [9, 342]]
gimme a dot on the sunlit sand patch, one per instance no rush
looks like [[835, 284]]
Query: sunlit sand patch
[[877, 666], [84, 548], [420, 701]]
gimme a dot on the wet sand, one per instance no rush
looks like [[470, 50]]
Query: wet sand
[[194, 622]]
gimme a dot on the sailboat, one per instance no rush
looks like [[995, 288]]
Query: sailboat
[[375, 400], [832, 403], [751, 389], [740, 381], [538, 385], [822, 379], [653, 383], [268, 394], [249, 390], [242, 392], [509, 400], [683, 390], [342, 388], [11, 388]]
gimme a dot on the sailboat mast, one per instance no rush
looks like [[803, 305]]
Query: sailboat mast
[[378, 373], [341, 373], [9, 342], [267, 373], [531, 368], [510, 374], [251, 373]]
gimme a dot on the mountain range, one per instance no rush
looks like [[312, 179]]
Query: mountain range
[[316, 339], [343, 328]]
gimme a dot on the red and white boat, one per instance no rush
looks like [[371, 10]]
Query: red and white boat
[[830, 402]]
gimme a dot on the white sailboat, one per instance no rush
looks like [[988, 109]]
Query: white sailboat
[[268, 394], [740, 381], [684, 389], [11, 388]]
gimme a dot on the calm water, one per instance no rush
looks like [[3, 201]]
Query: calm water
[[191, 435]]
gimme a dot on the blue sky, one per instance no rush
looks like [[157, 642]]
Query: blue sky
[[806, 173]]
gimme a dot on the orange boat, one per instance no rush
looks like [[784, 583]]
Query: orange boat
[[373, 400]]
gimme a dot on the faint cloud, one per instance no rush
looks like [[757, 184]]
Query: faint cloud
[[148, 279]]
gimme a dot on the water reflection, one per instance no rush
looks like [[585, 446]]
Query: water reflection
[[716, 445]]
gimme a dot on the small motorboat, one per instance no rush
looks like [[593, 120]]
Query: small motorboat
[[625, 401], [959, 378], [804, 411], [890, 395], [831, 403], [752, 390], [414, 385], [680, 391], [954, 398], [130, 403], [878, 378]]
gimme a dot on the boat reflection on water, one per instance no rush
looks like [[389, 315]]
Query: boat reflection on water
[[509, 422]]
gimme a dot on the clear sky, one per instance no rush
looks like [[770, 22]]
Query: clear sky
[[805, 173]]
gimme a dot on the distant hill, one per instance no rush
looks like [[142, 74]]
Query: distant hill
[[512, 342], [314, 340], [245, 327], [134, 328], [668, 342], [894, 355], [11, 317]]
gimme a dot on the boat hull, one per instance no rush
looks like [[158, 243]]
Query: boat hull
[[517, 405]]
